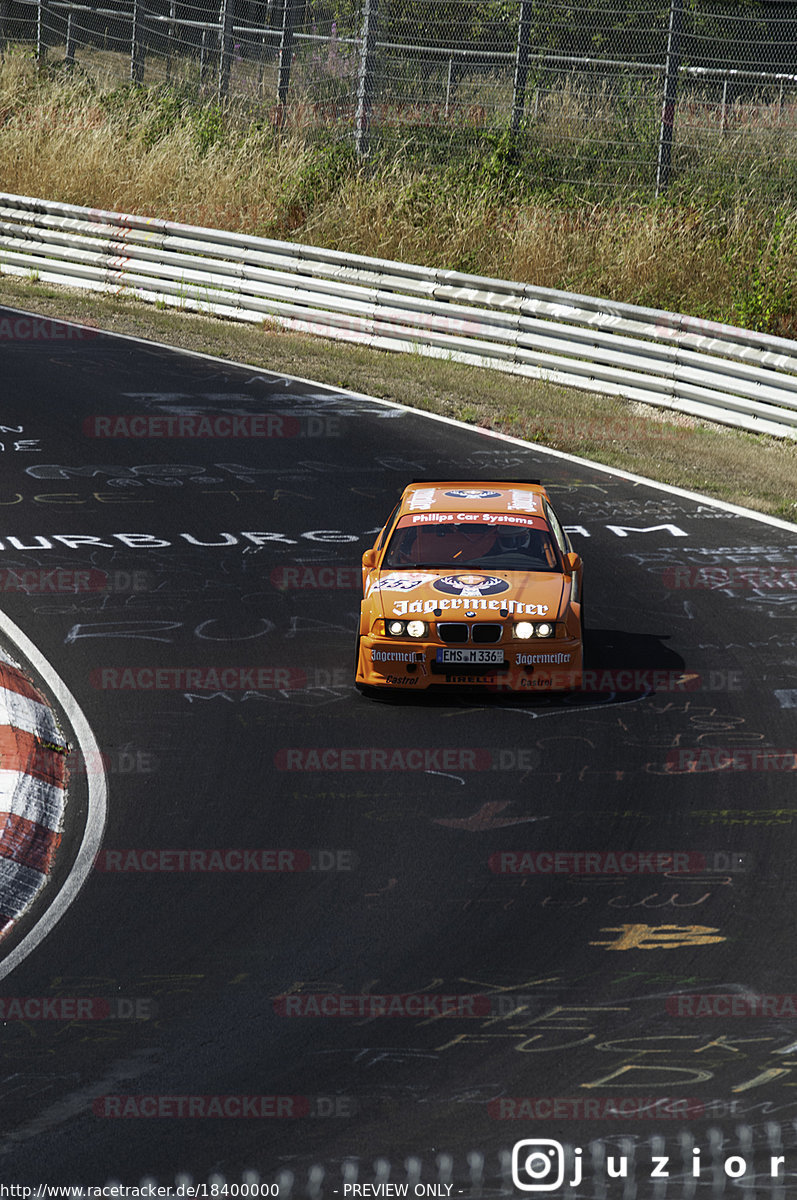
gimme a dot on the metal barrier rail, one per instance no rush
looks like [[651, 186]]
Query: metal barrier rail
[[714, 372]]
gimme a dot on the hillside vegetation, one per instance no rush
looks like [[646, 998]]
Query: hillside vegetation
[[67, 135]]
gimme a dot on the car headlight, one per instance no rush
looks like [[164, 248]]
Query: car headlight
[[413, 629], [530, 629]]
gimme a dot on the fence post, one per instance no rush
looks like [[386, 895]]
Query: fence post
[[671, 69], [203, 57], [3, 18], [170, 38], [286, 54], [42, 12], [137, 44], [261, 66], [366, 78], [225, 55], [69, 55], [521, 64]]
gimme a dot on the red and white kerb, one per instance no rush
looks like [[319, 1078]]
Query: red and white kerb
[[32, 791]]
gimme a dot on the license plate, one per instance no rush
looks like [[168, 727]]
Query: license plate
[[470, 656]]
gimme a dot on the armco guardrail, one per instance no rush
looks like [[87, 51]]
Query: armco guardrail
[[712, 371]]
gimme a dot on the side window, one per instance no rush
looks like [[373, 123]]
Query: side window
[[388, 525], [562, 540]]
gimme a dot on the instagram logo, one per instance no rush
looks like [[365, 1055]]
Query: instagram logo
[[538, 1165]]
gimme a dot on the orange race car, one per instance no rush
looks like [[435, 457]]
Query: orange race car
[[471, 584]]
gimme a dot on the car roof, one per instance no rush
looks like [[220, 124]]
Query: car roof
[[522, 496]]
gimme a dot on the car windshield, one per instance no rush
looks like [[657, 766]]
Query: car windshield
[[439, 540]]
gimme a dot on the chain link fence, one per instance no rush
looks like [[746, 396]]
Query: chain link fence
[[644, 97]]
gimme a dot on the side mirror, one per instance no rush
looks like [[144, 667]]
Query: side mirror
[[369, 559], [573, 561]]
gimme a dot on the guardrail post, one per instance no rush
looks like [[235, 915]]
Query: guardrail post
[[286, 55], [137, 44], [225, 39], [521, 64], [42, 13], [671, 69], [366, 78]]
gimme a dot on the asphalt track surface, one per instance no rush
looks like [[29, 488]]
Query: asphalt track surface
[[410, 904]]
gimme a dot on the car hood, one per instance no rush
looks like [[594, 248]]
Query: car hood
[[455, 593]]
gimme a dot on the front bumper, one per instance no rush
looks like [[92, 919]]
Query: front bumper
[[407, 665]]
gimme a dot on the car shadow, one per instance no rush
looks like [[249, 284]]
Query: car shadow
[[618, 650]]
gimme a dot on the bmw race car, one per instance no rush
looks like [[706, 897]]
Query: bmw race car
[[471, 584]]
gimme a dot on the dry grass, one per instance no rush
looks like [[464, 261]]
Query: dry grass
[[82, 139]]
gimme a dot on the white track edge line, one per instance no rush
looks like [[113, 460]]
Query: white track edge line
[[97, 798], [671, 489]]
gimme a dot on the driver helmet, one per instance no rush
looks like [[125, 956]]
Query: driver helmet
[[513, 539]]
